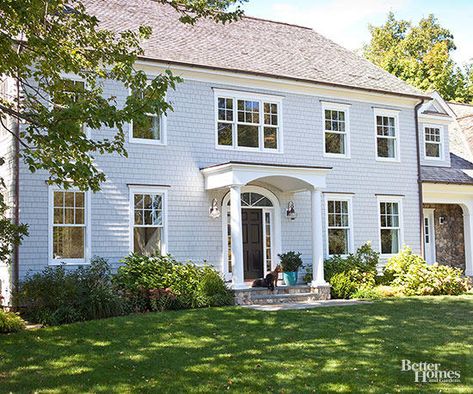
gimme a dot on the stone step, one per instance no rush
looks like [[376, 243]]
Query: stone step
[[292, 294]]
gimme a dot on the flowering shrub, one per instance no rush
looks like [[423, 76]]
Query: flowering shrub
[[10, 322], [415, 277], [346, 284]]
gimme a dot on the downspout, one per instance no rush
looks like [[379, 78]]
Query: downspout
[[16, 192], [419, 180]]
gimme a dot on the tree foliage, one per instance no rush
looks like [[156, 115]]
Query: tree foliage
[[420, 55], [43, 40]]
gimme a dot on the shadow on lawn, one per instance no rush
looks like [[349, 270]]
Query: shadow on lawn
[[353, 348]]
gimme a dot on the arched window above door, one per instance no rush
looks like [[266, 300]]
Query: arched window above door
[[251, 199]]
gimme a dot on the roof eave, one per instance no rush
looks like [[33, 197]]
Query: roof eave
[[285, 77]]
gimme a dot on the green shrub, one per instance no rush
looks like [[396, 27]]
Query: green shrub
[[368, 293], [191, 286], [290, 261], [10, 322], [414, 276], [346, 284], [57, 296], [365, 259]]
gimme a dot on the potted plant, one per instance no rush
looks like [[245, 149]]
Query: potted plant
[[290, 264]]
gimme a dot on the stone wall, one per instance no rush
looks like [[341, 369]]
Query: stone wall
[[449, 236]]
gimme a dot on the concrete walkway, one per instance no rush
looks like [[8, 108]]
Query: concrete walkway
[[304, 305]]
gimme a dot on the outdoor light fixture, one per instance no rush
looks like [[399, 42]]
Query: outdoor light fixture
[[214, 212], [441, 219], [291, 212]]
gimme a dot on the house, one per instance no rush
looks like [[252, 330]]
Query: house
[[279, 140]]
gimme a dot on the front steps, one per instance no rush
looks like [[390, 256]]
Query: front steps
[[281, 295]]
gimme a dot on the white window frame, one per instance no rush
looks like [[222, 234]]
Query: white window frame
[[441, 143], [349, 200], [148, 190], [399, 201], [163, 129], [87, 225], [261, 98], [340, 108], [397, 146]]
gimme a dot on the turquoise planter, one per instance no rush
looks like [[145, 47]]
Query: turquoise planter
[[290, 278]]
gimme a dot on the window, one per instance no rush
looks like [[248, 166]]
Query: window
[[390, 226], [336, 129], [387, 138], [149, 129], [433, 142], [70, 91], [247, 122], [148, 221], [69, 233], [339, 237]]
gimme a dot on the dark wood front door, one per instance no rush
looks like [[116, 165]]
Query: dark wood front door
[[252, 226]]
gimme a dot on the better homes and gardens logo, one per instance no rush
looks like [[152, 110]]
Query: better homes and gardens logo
[[425, 372]]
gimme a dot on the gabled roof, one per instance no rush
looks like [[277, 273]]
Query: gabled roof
[[251, 45]]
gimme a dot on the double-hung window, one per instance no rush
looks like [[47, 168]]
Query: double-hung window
[[387, 135], [339, 226], [433, 142], [68, 93], [149, 128], [69, 232], [390, 219], [336, 129], [148, 221], [247, 121]]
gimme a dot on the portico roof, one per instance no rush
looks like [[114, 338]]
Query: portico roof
[[285, 177]]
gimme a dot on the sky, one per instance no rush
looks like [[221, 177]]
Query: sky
[[346, 21]]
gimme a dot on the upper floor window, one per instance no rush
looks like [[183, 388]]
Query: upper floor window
[[387, 135], [336, 129], [390, 217], [148, 221], [149, 129], [247, 121], [68, 230], [433, 142], [339, 226], [70, 91]]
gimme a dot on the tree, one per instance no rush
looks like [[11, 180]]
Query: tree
[[40, 41], [420, 55]]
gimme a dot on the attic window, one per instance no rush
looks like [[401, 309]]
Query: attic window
[[433, 142]]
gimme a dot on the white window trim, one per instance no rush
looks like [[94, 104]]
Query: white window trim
[[163, 129], [399, 200], [393, 114], [88, 230], [349, 199], [238, 95], [342, 108], [76, 78], [148, 190], [441, 143]]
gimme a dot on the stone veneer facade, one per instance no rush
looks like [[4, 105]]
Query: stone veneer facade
[[449, 236]]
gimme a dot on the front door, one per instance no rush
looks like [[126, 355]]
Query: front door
[[252, 226], [429, 236]]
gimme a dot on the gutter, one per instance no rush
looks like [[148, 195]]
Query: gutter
[[419, 179], [283, 77]]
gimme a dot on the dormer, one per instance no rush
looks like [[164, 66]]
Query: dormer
[[435, 119]]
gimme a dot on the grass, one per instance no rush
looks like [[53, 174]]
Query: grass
[[337, 349]]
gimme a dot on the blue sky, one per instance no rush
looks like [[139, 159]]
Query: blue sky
[[346, 21]]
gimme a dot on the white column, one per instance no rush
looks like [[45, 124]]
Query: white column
[[317, 239], [237, 238], [468, 234]]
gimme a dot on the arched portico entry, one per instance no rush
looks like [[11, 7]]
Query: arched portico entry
[[261, 232], [238, 177]]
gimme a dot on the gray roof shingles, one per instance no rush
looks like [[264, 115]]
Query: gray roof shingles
[[251, 45], [451, 175]]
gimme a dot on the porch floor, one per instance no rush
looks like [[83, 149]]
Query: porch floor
[[303, 305]]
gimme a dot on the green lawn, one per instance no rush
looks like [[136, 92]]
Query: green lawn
[[351, 348]]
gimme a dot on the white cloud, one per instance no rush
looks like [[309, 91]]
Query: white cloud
[[344, 21]]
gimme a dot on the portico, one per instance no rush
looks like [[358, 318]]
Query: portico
[[238, 176]]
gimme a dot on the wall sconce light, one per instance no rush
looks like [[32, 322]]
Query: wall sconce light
[[291, 212], [214, 212], [441, 219]]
